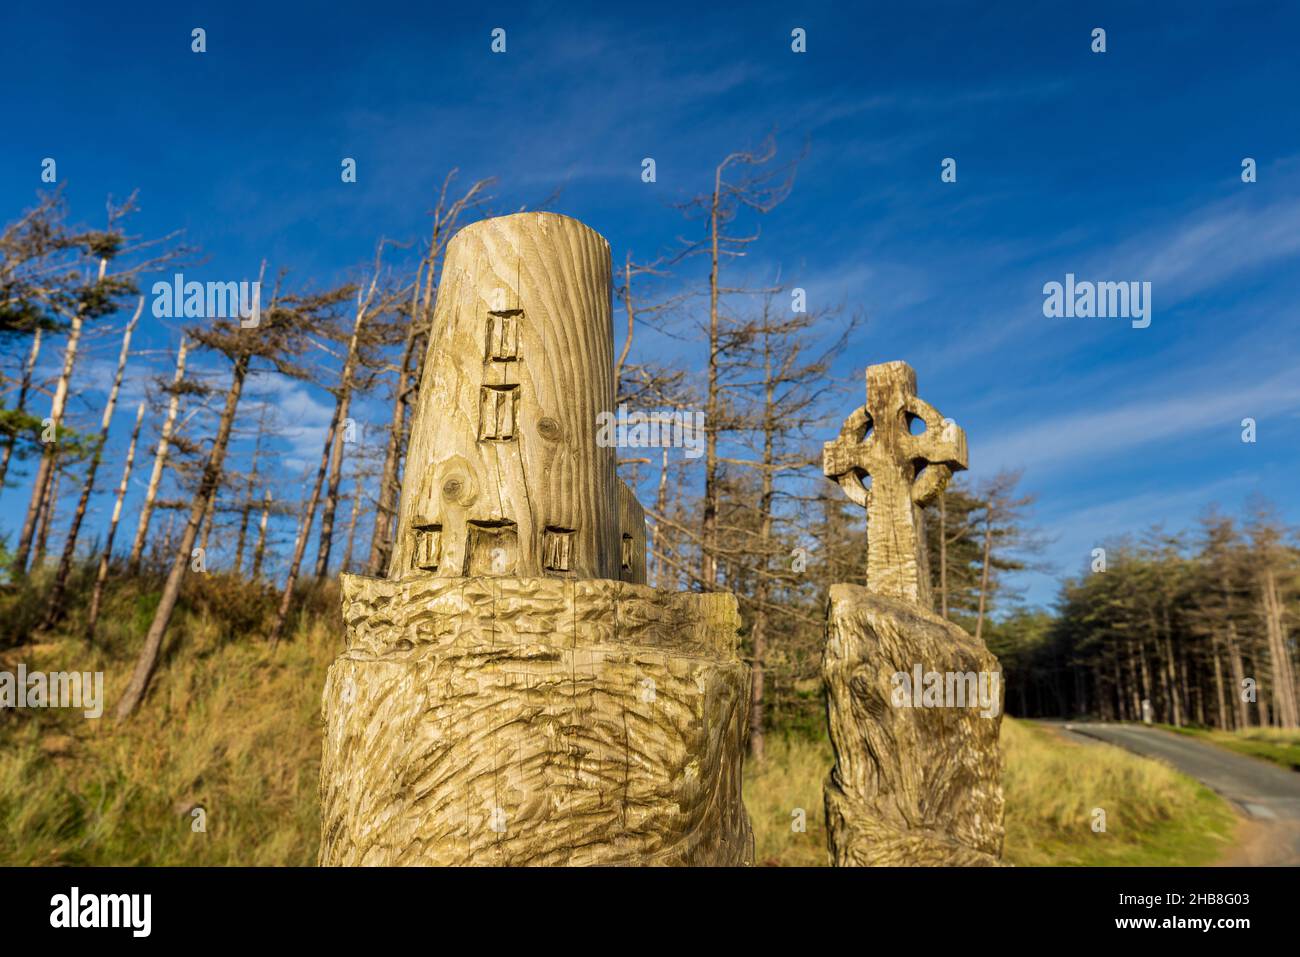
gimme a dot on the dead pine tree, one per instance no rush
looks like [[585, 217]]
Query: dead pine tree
[[374, 325], [331, 436], [205, 528], [259, 550], [174, 393], [357, 494], [365, 469], [93, 299], [278, 335], [45, 513], [787, 377], [759, 188], [246, 508], [645, 383], [331, 452], [1003, 532], [54, 608], [73, 448], [20, 407], [41, 484], [101, 572], [651, 386], [41, 283]]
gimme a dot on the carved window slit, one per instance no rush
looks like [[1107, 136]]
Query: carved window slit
[[498, 413], [503, 336], [428, 547], [629, 543], [492, 548], [557, 549]]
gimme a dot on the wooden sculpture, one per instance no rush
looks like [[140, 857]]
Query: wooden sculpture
[[513, 692], [916, 779]]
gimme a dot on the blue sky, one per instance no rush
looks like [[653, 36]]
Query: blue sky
[[1122, 166]]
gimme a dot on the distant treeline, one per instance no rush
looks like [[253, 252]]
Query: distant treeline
[[1201, 625]]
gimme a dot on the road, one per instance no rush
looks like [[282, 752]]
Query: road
[[1268, 795]]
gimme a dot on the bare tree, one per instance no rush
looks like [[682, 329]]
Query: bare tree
[[259, 552], [246, 507], [24, 388], [363, 300], [759, 188], [159, 460], [54, 609], [101, 573], [41, 484], [1002, 525], [279, 337], [369, 331], [45, 510], [786, 382], [87, 301]]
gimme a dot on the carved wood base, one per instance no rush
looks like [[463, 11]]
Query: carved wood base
[[511, 721], [914, 783]]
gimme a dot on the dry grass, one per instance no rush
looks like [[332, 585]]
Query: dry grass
[[789, 779], [229, 726], [233, 727], [1153, 814]]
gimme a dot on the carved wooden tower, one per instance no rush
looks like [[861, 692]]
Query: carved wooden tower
[[504, 476], [513, 692]]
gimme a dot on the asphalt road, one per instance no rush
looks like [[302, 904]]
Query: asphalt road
[[1267, 794]]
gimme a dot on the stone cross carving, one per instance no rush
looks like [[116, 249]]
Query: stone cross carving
[[907, 469]]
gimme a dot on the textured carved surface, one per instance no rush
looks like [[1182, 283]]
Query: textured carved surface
[[631, 522], [911, 786], [534, 721], [503, 439], [914, 783], [512, 693], [906, 472]]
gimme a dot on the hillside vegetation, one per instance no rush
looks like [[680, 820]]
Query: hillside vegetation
[[232, 727]]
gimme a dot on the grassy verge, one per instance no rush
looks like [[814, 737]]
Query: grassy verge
[[229, 726], [1278, 745], [232, 727], [1153, 815], [789, 781]]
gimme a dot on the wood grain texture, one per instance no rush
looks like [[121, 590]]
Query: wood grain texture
[[512, 692], [631, 523], [916, 781], [906, 471], [520, 363], [911, 786], [534, 721]]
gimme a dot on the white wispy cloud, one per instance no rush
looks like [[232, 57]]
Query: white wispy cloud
[[1140, 422], [300, 420]]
